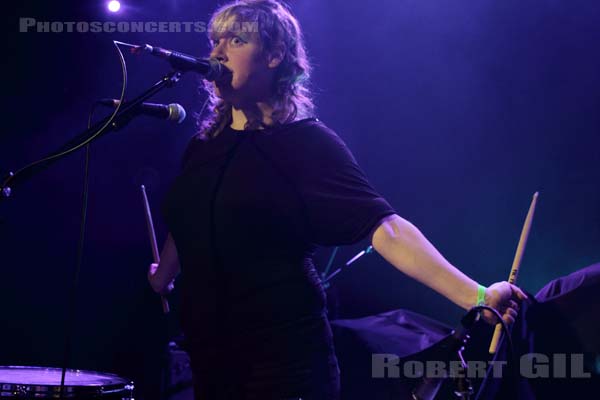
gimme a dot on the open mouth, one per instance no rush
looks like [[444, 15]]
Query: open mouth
[[226, 75]]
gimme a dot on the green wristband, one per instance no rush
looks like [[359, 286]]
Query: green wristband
[[481, 295]]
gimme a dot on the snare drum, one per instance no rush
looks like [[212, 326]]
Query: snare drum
[[44, 383]]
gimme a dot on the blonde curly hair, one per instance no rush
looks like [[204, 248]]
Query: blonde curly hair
[[277, 28]]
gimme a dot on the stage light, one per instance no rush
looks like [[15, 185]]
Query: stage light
[[114, 6]]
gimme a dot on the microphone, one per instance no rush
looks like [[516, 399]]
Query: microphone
[[210, 68], [171, 112]]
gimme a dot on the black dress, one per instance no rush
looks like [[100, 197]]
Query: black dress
[[246, 214]]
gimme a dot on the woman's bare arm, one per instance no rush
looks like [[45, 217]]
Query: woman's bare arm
[[407, 249]]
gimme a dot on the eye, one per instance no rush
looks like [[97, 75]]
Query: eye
[[237, 41]]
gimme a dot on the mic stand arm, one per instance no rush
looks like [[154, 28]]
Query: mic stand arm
[[326, 278], [125, 114], [464, 389], [428, 388]]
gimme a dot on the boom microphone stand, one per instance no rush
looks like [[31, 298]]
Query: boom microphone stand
[[111, 123], [125, 114]]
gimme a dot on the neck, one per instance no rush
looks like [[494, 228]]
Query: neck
[[258, 112]]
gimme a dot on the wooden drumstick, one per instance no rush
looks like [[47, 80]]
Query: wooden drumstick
[[155, 253], [514, 272]]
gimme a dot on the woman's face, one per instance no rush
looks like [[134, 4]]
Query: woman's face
[[250, 78]]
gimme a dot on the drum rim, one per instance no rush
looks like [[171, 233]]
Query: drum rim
[[70, 390]]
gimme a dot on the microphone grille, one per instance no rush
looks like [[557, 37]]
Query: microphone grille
[[176, 113], [215, 70]]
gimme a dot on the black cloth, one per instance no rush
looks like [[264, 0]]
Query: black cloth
[[246, 214], [404, 334], [562, 318]]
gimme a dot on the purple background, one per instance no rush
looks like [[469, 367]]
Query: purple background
[[457, 111]]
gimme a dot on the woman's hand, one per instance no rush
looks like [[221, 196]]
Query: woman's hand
[[505, 298], [156, 285]]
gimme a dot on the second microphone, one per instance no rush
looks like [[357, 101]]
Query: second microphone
[[170, 112]]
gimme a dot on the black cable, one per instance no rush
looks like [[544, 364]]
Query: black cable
[[504, 326], [511, 353], [467, 322], [72, 147], [71, 308], [73, 293], [428, 387]]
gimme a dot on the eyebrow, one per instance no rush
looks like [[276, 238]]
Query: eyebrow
[[228, 34]]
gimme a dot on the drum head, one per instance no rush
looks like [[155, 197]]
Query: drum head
[[43, 382]]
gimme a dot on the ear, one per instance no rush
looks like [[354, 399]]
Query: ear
[[276, 56]]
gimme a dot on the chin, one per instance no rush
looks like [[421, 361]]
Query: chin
[[224, 90]]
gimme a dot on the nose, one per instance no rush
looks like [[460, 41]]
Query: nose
[[218, 52]]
